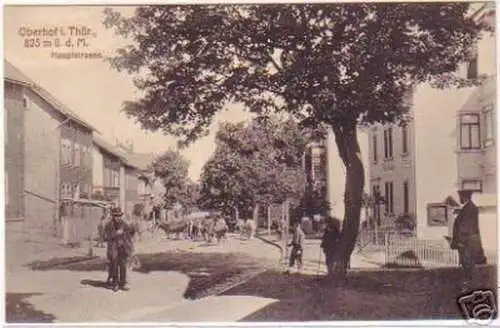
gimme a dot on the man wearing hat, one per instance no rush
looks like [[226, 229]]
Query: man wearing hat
[[118, 235], [297, 244], [466, 238]]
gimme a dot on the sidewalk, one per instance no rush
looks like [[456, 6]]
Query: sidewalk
[[22, 248]]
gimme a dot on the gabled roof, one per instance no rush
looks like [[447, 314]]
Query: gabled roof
[[14, 75], [108, 147]]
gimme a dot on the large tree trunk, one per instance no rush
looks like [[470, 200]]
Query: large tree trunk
[[349, 151]]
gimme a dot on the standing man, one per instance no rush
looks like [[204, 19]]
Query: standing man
[[466, 238], [329, 241], [297, 246], [118, 235]]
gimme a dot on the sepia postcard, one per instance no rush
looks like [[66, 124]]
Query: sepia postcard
[[294, 163]]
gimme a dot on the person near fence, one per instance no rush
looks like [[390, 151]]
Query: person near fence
[[329, 241], [118, 235], [466, 238], [297, 245]]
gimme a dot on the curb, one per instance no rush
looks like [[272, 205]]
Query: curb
[[83, 259], [220, 289]]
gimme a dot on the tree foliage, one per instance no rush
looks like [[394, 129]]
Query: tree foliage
[[339, 64], [323, 62], [255, 163], [172, 169]]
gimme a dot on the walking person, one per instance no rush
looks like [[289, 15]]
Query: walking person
[[297, 244], [118, 235], [329, 242], [220, 229], [466, 238]]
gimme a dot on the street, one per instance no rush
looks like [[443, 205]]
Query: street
[[241, 280], [175, 274]]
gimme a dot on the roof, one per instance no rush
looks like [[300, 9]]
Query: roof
[[14, 75], [108, 147], [140, 160]]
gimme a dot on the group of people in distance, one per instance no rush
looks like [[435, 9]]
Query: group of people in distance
[[119, 234]]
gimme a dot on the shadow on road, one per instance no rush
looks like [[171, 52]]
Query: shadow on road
[[369, 295], [19, 310], [208, 272], [95, 283]]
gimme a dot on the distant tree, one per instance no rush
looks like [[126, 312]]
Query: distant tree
[[255, 164], [190, 196], [172, 169], [338, 64]]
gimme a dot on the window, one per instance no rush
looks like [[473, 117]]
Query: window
[[89, 156], [474, 185], [66, 151], [406, 197], [375, 155], [77, 154], [76, 190], [489, 122], [85, 191], [389, 197], [116, 179], [404, 133], [469, 131], [66, 191], [376, 195], [107, 177], [472, 67], [388, 143], [26, 102]]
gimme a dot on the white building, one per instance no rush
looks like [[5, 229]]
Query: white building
[[441, 150]]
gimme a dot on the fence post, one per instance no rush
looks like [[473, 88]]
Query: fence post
[[386, 248], [89, 223]]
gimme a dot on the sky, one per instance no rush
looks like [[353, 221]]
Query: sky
[[90, 87]]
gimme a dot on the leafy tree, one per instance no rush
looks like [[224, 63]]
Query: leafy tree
[[172, 169], [190, 196], [341, 65], [255, 164]]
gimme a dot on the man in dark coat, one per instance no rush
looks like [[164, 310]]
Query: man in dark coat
[[329, 241], [118, 235], [466, 237]]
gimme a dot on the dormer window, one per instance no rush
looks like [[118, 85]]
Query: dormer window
[[26, 102], [472, 68]]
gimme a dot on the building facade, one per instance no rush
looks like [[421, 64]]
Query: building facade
[[448, 144], [107, 168], [76, 161], [14, 150], [391, 174], [36, 139]]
